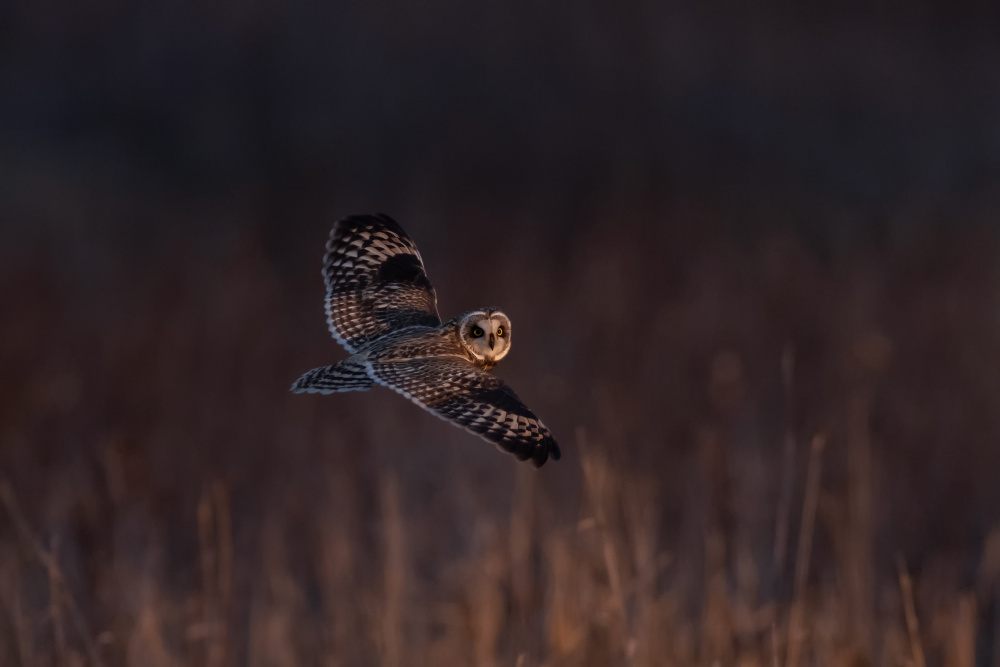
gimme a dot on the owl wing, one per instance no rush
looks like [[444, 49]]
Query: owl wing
[[459, 392], [375, 281]]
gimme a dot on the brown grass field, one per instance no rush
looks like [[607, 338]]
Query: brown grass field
[[770, 457]]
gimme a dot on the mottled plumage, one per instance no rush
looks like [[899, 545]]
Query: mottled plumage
[[375, 281], [382, 308]]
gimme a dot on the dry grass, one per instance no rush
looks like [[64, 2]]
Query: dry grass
[[787, 463]]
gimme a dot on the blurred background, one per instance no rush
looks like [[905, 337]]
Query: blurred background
[[750, 253]]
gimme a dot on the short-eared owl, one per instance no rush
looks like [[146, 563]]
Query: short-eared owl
[[382, 308]]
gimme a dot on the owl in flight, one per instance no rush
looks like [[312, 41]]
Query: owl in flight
[[382, 308]]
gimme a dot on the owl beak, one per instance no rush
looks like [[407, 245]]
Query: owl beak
[[493, 340]]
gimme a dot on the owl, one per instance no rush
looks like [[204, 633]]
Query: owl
[[382, 308]]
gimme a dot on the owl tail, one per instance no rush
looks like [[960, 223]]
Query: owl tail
[[346, 375]]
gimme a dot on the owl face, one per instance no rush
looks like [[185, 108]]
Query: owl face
[[485, 334]]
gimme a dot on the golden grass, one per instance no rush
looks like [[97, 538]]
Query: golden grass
[[531, 592]]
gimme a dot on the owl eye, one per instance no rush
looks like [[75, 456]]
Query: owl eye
[[500, 331], [477, 332]]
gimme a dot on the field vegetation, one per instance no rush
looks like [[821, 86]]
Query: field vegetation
[[770, 458]]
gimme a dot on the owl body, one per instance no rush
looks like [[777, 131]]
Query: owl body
[[382, 308], [446, 339]]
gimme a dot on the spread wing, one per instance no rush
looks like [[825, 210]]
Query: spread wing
[[375, 281], [455, 390]]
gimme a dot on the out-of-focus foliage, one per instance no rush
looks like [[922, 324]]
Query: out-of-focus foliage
[[749, 252]]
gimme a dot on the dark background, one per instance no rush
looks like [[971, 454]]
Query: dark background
[[719, 229]]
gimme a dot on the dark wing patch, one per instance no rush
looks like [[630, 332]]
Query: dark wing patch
[[459, 392], [375, 281], [404, 269]]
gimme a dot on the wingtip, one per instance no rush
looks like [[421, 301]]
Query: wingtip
[[545, 450]]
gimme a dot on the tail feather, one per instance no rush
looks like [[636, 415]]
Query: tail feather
[[347, 375]]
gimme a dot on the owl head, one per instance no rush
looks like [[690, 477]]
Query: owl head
[[485, 333]]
